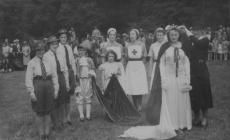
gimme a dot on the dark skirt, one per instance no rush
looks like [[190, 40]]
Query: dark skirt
[[116, 104], [44, 93], [63, 97], [200, 95]]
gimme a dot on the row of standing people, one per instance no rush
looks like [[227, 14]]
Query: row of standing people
[[170, 79], [179, 85]]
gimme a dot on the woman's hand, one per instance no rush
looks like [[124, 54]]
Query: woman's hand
[[67, 88], [164, 85], [33, 97], [56, 95]]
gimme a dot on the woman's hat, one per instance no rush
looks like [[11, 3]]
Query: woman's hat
[[40, 46], [111, 29], [52, 39], [62, 31], [160, 29], [81, 48], [16, 40], [136, 31]]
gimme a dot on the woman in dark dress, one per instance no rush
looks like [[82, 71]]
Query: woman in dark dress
[[201, 95]]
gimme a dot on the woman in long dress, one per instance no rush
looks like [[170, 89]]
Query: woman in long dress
[[154, 49], [201, 93], [168, 108], [114, 100], [135, 70]]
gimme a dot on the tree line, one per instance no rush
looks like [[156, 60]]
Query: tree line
[[36, 18]]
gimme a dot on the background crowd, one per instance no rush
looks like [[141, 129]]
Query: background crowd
[[15, 54]]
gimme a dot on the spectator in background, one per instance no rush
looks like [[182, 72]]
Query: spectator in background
[[6, 50], [225, 45], [220, 52], [75, 51], [26, 53], [17, 55], [125, 38], [149, 40], [228, 33]]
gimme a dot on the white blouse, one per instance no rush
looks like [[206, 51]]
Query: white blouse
[[34, 69]]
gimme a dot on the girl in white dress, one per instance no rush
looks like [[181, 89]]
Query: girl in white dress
[[135, 70], [109, 68], [117, 106], [172, 84]]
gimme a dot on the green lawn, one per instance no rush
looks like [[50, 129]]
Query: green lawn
[[17, 119]]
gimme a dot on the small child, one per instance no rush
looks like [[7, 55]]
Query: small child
[[6, 50], [84, 91]]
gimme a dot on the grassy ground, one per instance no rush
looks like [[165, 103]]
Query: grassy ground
[[17, 119]]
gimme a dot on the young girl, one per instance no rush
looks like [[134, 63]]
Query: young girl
[[85, 67], [117, 105]]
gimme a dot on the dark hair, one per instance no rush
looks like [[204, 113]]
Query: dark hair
[[155, 34], [174, 29], [110, 52]]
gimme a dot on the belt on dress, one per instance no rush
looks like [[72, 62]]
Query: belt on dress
[[118, 60], [135, 59], [38, 77], [154, 60]]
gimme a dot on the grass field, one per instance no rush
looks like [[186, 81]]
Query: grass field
[[17, 119]]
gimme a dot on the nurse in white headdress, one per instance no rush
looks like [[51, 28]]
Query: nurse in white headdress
[[159, 37], [135, 70]]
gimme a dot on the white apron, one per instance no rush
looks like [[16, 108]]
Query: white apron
[[136, 72]]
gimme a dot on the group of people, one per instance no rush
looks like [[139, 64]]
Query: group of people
[[179, 83], [14, 55], [220, 44]]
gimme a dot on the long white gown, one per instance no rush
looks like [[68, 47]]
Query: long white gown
[[175, 108], [178, 98]]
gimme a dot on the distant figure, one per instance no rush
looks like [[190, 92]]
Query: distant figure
[[17, 56], [26, 53], [6, 51]]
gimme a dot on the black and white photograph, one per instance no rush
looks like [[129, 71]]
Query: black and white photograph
[[114, 69]]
